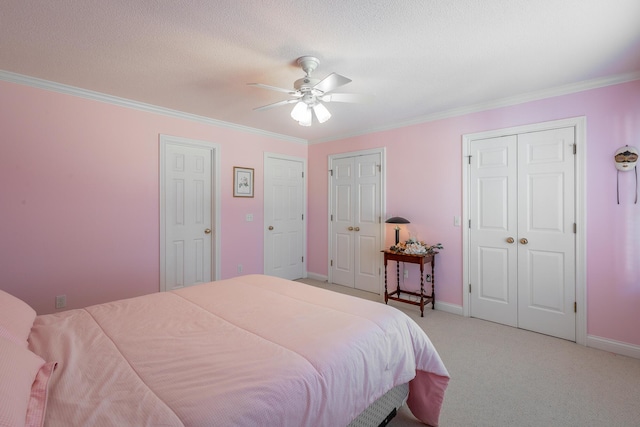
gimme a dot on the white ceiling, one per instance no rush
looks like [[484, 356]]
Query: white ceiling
[[420, 58]]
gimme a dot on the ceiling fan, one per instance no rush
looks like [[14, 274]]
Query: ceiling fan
[[310, 93]]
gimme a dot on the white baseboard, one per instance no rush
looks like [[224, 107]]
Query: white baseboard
[[613, 346], [319, 277], [449, 308]]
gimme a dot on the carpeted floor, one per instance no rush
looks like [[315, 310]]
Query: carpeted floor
[[503, 376]]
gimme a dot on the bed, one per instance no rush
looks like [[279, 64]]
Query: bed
[[249, 351]]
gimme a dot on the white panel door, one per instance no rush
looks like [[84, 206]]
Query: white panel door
[[187, 212], [343, 219], [546, 238], [493, 205], [367, 216], [284, 218], [356, 207], [522, 242]]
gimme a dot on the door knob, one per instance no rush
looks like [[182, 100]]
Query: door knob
[[524, 241], [207, 231], [510, 240], [350, 228], [357, 228], [271, 227]]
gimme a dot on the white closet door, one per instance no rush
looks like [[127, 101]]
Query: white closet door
[[367, 223], [546, 215], [493, 205], [355, 227], [343, 188], [522, 241]]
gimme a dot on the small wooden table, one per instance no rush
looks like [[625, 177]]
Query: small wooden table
[[399, 257]]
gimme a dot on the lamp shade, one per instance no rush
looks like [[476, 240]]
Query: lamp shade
[[397, 220]]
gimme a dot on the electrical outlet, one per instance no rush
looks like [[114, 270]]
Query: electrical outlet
[[61, 301], [428, 277], [239, 268], [406, 274]]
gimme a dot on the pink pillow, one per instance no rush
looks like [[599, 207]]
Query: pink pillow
[[23, 389], [16, 318]]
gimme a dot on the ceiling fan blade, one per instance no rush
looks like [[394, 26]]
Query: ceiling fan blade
[[347, 97], [276, 104], [331, 82], [277, 89]]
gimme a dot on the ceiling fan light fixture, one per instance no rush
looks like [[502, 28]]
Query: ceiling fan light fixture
[[322, 114], [306, 121], [299, 111], [305, 118]]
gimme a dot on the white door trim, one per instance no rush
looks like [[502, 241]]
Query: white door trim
[[580, 125], [215, 209], [268, 155], [383, 201]]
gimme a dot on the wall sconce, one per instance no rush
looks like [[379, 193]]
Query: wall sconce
[[397, 220]]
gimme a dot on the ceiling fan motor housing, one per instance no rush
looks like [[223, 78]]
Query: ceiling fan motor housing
[[305, 84]]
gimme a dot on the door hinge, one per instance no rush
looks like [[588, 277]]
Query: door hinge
[[575, 307], [331, 263], [379, 220], [379, 168], [302, 174], [469, 287], [302, 259], [469, 223], [469, 159], [575, 148], [575, 228], [331, 172], [331, 217], [303, 217]]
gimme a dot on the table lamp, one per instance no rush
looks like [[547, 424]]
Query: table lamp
[[397, 220]]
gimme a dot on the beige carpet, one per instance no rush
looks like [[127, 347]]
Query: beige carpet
[[503, 376]]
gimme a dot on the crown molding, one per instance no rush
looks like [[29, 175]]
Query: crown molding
[[455, 112], [141, 106], [498, 103]]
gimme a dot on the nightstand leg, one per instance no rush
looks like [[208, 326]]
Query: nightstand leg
[[433, 283], [386, 294], [421, 289]]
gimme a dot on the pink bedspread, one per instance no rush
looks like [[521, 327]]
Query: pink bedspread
[[250, 351]]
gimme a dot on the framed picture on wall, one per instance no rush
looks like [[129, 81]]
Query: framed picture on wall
[[242, 182]]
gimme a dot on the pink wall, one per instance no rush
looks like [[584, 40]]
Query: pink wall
[[424, 173], [79, 197]]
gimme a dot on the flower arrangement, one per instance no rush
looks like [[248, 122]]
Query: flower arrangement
[[414, 247]]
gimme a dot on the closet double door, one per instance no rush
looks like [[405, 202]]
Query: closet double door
[[356, 221], [522, 231]]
